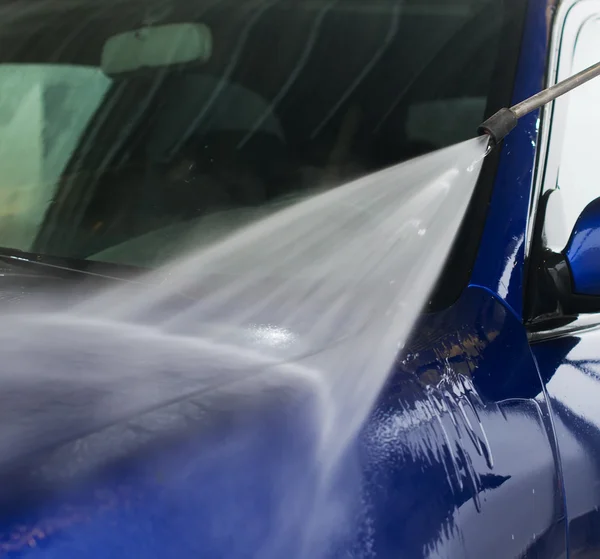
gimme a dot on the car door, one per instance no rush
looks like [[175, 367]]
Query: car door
[[567, 344]]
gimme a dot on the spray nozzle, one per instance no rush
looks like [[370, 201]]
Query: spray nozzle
[[499, 125]]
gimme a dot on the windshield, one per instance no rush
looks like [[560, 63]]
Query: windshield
[[295, 96]]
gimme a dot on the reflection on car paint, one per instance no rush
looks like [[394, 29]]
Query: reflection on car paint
[[446, 454]]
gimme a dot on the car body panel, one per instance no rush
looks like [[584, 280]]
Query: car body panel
[[571, 367], [489, 412], [458, 460]]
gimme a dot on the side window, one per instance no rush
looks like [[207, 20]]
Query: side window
[[573, 159], [43, 111], [579, 172]]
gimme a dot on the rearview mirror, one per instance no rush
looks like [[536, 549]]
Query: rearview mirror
[[156, 47]]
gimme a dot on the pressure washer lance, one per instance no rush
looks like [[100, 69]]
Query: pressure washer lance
[[505, 120]]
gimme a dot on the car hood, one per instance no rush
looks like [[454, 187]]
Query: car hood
[[434, 447]]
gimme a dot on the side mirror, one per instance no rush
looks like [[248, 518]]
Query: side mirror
[[583, 251], [575, 272]]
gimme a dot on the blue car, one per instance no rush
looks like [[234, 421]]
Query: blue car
[[486, 439]]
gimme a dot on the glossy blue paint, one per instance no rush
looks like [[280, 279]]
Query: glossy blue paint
[[480, 384], [500, 260], [571, 367], [458, 459], [583, 251]]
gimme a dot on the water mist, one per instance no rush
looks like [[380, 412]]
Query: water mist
[[278, 339]]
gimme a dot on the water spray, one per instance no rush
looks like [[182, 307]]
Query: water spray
[[506, 119]]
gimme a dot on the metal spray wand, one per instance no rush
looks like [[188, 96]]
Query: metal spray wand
[[505, 120]]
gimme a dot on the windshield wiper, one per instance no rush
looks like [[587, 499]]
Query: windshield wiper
[[65, 267]]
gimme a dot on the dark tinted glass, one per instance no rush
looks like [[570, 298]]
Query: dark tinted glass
[[297, 96]]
